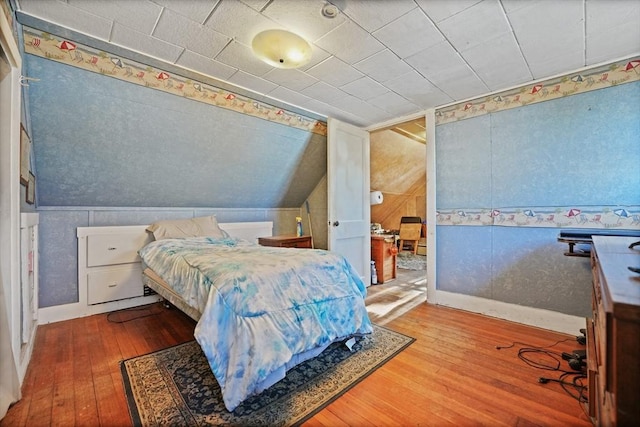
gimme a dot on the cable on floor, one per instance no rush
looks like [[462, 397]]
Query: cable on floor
[[144, 308], [570, 381], [513, 344]]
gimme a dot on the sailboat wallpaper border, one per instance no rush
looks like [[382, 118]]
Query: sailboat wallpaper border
[[69, 52], [599, 217], [59, 49], [624, 71]]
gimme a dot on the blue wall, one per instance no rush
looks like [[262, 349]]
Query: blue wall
[[100, 141], [59, 245], [581, 150], [108, 152]]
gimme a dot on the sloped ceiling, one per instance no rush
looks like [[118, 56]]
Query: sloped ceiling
[[397, 162], [414, 129], [99, 141], [375, 61], [398, 169]]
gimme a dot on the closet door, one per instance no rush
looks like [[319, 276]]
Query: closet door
[[12, 363]]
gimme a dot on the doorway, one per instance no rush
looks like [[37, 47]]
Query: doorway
[[398, 170]]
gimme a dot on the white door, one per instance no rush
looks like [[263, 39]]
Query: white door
[[349, 211], [12, 368]]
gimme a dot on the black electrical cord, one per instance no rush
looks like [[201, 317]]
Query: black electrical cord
[[573, 388], [513, 344], [575, 383], [132, 310], [554, 356]]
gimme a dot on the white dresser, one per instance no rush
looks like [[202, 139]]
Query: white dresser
[[109, 273], [109, 267]]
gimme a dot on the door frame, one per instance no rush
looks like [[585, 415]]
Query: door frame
[[430, 166], [10, 100], [430, 124]]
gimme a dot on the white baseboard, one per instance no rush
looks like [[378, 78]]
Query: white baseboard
[[25, 355], [541, 318], [59, 313]]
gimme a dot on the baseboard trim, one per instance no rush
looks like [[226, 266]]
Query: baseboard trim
[[58, 313], [541, 318]]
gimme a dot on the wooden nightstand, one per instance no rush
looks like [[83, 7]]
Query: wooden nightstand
[[287, 241], [383, 252]]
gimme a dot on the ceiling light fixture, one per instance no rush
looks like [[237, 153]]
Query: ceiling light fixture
[[281, 49]]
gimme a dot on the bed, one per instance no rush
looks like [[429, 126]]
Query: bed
[[260, 310]]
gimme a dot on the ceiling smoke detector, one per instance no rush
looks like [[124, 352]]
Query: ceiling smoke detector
[[329, 11]]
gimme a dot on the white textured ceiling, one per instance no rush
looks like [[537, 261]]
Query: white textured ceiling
[[377, 60]]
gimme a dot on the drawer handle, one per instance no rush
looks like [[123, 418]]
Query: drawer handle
[[111, 249], [113, 285]]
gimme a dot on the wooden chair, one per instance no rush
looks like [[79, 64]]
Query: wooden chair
[[410, 232]]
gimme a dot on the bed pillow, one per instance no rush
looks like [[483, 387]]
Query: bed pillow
[[204, 226]]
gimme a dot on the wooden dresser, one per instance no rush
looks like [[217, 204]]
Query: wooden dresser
[[288, 241], [613, 334], [384, 252]]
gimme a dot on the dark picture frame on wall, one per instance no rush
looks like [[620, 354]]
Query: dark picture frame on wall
[[31, 189], [25, 154]]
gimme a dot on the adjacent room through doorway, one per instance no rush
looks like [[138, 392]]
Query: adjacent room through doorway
[[398, 173]]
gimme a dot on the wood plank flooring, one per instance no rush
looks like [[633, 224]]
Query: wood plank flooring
[[390, 300], [451, 375]]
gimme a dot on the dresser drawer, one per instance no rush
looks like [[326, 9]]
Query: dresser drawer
[[305, 244], [286, 241], [109, 249], [389, 262], [114, 283]]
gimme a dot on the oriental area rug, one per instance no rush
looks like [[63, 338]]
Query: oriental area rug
[[411, 261], [175, 386]]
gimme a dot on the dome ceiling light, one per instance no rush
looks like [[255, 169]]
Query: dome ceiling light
[[281, 49]]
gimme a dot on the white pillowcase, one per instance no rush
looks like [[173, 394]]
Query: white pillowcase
[[204, 226]]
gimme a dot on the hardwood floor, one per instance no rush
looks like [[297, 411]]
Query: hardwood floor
[[392, 299], [451, 375]]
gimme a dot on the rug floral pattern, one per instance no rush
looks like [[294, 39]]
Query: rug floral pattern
[[175, 386], [411, 261]]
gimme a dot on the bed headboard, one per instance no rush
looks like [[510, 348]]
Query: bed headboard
[[248, 230], [139, 236]]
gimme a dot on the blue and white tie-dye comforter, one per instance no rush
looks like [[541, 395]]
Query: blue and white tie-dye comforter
[[261, 306]]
